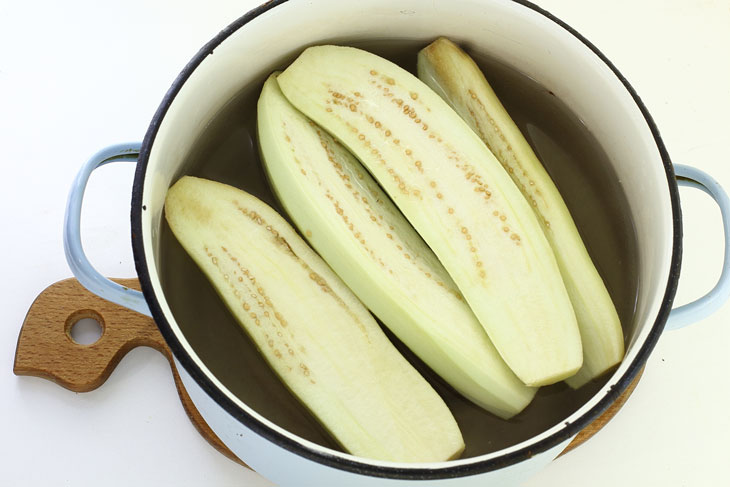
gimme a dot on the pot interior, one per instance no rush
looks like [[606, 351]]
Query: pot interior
[[227, 151], [575, 113]]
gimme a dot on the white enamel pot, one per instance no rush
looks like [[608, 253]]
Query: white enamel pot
[[513, 32]]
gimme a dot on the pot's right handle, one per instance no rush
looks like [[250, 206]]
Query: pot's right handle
[[706, 305], [89, 277]]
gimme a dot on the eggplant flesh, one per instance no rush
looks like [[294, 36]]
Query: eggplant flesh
[[313, 332], [456, 195]]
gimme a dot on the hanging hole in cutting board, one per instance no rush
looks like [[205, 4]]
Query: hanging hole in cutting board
[[85, 331]]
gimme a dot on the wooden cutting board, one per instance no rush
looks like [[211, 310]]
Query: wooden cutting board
[[45, 349]]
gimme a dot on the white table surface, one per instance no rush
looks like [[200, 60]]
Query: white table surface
[[78, 75]]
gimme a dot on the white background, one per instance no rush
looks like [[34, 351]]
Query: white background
[[78, 75]]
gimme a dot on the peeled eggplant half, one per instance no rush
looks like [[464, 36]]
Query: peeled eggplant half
[[456, 195], [310, 328]]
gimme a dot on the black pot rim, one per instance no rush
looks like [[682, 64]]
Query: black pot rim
[[354, 465]]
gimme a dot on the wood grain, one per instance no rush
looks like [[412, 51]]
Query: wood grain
[[45, 349], [594, 427]]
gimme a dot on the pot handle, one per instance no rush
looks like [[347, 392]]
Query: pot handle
[[706, 305], [86, 274]]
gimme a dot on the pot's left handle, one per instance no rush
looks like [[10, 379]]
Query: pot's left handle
[[86, 274]]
